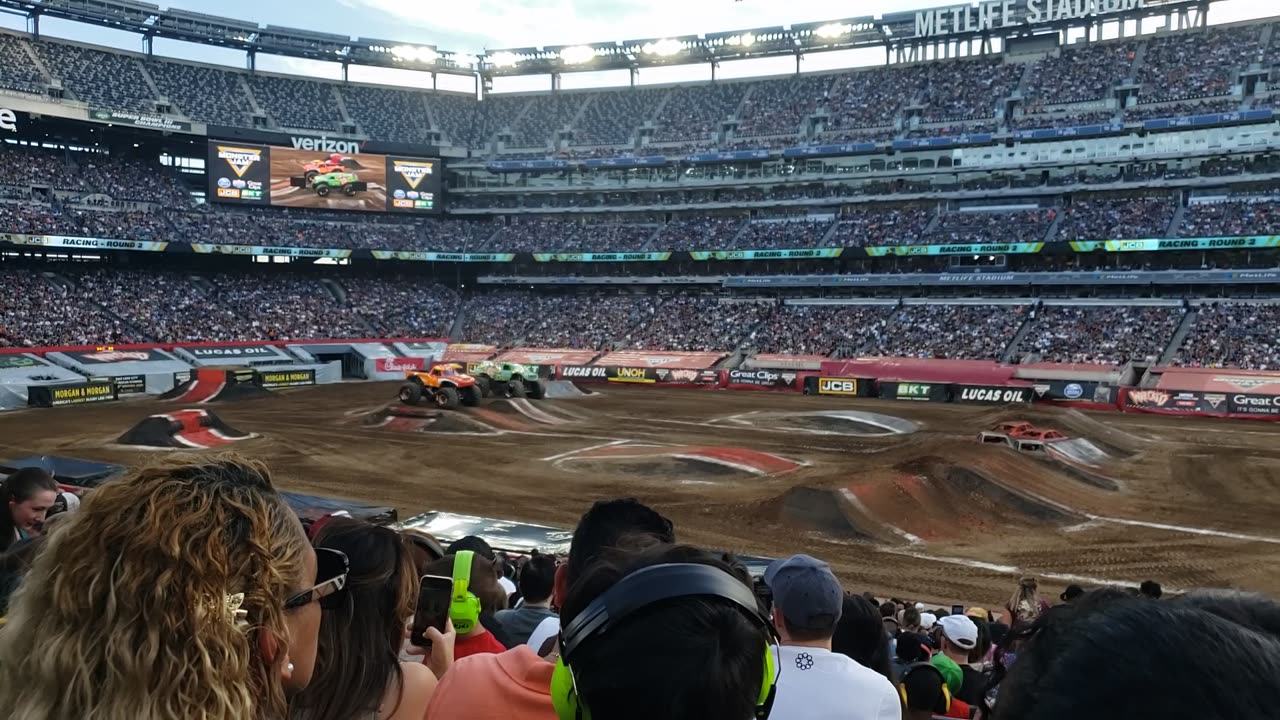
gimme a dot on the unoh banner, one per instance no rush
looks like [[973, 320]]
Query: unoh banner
[[83, 243], [1154, 245]]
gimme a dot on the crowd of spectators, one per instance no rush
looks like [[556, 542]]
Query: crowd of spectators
[[872, 98], [699, 323], [203, 93], [715, 232], [1078, 73], [401, 306], [954, 332], [967, 89], [592, 321], [612, 117], [120, 177], [319, 618], [1100, 335], [100, 79], [387, 113], [1138, 113], [1238, 335], [875, 225], [779, 106], [525, 234], [116, 225], [37, 312], [297, 103], [693, 113], [545, 116], [783, 234], [17, 72], [978, 226], [1203, 63], [818, 329], [1112, 218], [1243, 216]]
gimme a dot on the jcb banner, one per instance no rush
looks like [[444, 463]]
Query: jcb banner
[[78, 394], [837, 386], [286, 378]]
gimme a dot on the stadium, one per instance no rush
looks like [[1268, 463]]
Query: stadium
[[1003, 304]]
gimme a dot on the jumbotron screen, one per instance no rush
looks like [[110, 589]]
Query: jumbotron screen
[[249, 174]]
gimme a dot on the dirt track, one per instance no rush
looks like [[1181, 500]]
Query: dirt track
[[930, 514]]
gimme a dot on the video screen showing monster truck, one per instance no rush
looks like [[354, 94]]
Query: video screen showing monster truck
[[331, 181]]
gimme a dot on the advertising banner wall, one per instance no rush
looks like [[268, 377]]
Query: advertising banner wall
[[85, 243], [233, 352], [111, 355], [764, 378], [1258, 405], [93, 391], [130, 384], [286, 378], [1190, 402], [1071, 391], [914, 391], [641, 375], [991, 394], [398, 364]]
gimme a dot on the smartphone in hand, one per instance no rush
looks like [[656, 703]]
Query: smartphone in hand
[[957, 609], [433, 608]]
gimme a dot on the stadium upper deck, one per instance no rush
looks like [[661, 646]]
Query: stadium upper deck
[[1218, 69]]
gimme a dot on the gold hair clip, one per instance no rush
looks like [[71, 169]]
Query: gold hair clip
[[234, 612]]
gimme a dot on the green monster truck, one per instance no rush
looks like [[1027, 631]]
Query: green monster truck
[[507, 379], [348, 182]]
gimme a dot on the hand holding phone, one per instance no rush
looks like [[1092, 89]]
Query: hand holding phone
[[957, 609], [434, 598]]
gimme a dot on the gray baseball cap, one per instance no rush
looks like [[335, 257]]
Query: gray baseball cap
[[805, 591]]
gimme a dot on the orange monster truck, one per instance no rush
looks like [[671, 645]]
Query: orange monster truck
[[334, 163], [445, 385]]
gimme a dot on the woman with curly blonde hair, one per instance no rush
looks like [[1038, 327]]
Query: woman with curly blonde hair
[[185, 591]]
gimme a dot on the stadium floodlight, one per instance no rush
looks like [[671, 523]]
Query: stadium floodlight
[[663, 48], [502, 59], [832, 30], [413, 53], [465, 60], [746, 39], [577, 54]]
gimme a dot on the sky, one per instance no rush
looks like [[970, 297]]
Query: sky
[[472, 26]]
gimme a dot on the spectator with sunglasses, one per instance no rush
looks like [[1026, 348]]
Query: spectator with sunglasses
[[185, 590], [363, 627]]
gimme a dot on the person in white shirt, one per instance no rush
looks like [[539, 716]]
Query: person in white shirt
[[813, 682]]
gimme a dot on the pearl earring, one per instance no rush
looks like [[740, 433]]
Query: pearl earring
[[289, 667]]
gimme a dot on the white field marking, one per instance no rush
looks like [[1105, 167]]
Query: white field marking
[[533, 413], [857, 503], [696, 482], [552, 458], [1188, 530], [1011, 569], [189, 443], [218, 434], [1081, 527]]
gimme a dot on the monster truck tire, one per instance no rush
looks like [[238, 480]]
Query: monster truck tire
[[515, 388], [536, 391], [309, 175], [411, 393], [485, 385], [471, 396], [447, 398], [349, 190], [322, 190]]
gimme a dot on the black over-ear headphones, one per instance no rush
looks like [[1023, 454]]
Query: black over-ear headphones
[[642, 589]]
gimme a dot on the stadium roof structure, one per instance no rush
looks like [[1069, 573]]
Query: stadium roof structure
[[908, 34]]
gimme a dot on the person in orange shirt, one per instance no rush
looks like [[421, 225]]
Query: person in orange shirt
[[516, 684]]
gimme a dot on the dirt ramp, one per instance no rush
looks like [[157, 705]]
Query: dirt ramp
[[825, 422], [933, 498], [187, 429], [408, 418], [566, 390], [217, 385]]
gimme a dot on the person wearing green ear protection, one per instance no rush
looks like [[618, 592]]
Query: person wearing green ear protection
[[666, 632], [475, 591]]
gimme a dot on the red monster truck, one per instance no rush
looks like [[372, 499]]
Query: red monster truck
[[1020, 436], [334, 163], [445, 385]]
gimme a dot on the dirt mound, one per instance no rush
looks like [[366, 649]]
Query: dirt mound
[[935, 498], [406, 418], [217, 385], [188, 429], [683, 464], [826, 422], [565, 389]]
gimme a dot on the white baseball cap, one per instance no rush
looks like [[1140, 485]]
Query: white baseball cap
[[960, 630], [927, 620]]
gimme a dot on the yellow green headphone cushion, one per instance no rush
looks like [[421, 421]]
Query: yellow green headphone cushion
[[464, 610]]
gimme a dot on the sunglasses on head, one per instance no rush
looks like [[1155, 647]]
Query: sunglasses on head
[[331, 577]]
